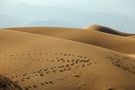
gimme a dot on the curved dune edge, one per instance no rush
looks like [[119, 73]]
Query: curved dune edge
[[108, 30], [93, 37], [37, 62]]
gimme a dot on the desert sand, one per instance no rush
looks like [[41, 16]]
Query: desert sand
[[133, 36], [132, 55], [91, 36], [65, 59]]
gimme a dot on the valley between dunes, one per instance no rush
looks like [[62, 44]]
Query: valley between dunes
[[46, 58]]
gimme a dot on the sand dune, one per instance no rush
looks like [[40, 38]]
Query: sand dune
[[108, 30], [89, 36], [37, 62]]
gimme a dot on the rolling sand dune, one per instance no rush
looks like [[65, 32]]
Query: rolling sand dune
[[94, 37], [108, 30], [39, 62]]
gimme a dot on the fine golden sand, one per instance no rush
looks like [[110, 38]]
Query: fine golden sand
[[45, 58]]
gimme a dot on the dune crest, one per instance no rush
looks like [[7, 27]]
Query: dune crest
[[108, 30]]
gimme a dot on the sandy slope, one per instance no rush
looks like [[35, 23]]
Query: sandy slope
[[36, 62], [132, 36], [113, 42], [132, 55]]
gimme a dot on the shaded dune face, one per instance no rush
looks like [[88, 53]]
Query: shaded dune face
[[7, 84], [93, 37], [117, 89], [36, 62], [108, 30]]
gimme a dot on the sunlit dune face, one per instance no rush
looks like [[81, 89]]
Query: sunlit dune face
[[65, 59], [132, 55], [132, 36]]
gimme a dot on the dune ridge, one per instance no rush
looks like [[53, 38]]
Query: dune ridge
[[93, 37], [108, 30]]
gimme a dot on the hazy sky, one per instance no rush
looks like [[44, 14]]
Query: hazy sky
[[122, 7]]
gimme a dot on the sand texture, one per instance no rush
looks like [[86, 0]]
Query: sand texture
[[45, 58]]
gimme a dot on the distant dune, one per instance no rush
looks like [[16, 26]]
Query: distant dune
[[39, 62], [108, 30], [91, 36]]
